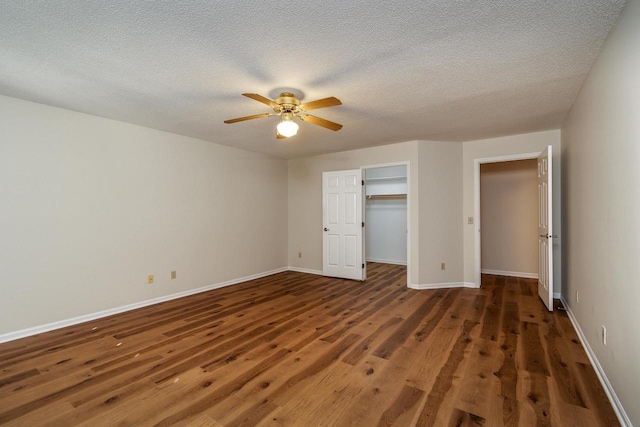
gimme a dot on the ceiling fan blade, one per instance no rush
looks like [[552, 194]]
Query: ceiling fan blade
[[262, 99], [321, 103], [321, 122], [242, 119]]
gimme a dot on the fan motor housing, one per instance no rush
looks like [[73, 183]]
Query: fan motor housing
[[287, 102]]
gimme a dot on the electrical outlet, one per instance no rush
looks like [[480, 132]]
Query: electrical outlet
[[604, 335], [150, 279], [577, 297], [442, 266], [174, 274], [299, 254]]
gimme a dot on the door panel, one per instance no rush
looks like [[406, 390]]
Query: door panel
[[545, 229], [333, 208], [342, 224], [334, 250]]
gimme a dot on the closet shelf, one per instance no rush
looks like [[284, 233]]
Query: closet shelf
[[386, 196], [387, 178]]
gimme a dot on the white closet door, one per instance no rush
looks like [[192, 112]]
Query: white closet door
[[342, 224]]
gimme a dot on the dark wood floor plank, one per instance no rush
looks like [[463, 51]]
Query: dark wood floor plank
[[508, 373], [538, 398], [325, 360], [386, 349], [222, 392], [565, 379], [363, 347], [596, 395], [404, 404], [533, 353], [461, 418], [479, 388], [492, 314], [18, 377], [295, 349], [444, 381]]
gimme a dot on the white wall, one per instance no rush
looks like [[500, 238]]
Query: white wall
[[509, 207], [601, 174], [386, 219], [90, 206], [386, 231], [506, 146]]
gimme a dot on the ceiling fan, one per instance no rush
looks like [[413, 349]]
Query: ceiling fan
[[287, 106]]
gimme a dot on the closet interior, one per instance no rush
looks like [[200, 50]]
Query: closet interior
[[386, 214]]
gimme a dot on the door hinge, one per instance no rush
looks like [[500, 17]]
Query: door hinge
[[363, 182], [363, 224], [362, 265]]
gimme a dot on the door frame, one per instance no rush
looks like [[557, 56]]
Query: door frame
[[476, 202], [384, 165]]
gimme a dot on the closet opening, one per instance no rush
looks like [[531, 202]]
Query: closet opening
[[386, 215], [508, 211]]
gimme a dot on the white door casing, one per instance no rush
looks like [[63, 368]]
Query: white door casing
[[342, 224], [545, 229]]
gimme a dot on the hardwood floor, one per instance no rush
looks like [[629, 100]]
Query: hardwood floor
[[295, 349]]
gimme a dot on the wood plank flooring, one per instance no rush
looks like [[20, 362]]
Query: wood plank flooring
[[294, 349]]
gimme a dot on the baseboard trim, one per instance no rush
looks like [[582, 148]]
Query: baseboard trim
[[510, 273], [608, 389], [422, 286], [386, 261], [11, 336], [305, 270]]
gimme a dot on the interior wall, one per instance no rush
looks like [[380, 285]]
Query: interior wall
[[508, 212], [434, 176], [91, 206], [440, 181], [305, 198], [507, 146], [601, 157]]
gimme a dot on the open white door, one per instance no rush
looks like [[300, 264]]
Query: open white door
[[545, 230], [342, 224]]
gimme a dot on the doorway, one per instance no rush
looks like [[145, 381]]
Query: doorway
[[344, 206], [477, 218], [386, 214], [545, 213], [508, 209]]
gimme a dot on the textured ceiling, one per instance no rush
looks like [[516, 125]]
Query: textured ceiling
[[419, 69]]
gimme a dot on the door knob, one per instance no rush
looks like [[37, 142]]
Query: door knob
[[326, 229]]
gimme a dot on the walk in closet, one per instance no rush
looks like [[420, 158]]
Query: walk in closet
[[386, 214]]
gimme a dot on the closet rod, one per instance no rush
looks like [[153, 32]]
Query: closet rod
[[386, 196]]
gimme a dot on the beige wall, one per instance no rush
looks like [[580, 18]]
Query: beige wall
[[305, 198], [434, 205], [440, 188], [508, 209], [601, 170], [509, 146], [90, 206]]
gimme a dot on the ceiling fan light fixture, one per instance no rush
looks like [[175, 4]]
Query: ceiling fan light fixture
[[287, 127], [287, 106]]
